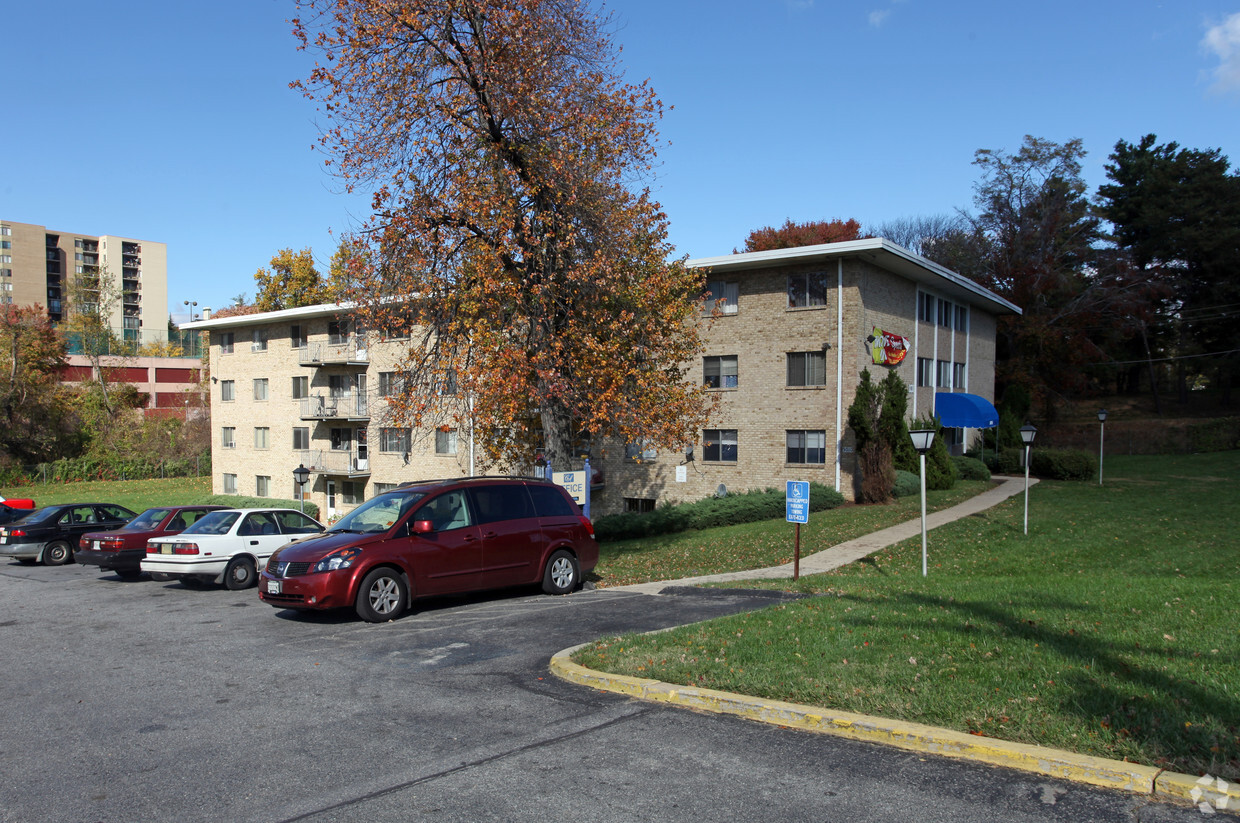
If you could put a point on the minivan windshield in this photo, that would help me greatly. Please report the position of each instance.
(378, 514)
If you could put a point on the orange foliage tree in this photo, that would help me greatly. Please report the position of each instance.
(811, 233)
(513, 243)
(36, 420)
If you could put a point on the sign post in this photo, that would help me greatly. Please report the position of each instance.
(797, 507)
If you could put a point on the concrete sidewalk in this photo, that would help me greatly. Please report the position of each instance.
(853, 550)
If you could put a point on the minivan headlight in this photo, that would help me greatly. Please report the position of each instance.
(341, 559)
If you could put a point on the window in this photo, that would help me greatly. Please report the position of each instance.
(389, 384)
(351, 492)
(925, 371)
(262, 437)
(301, 387)
(6, 244)
(6, 258)
(384, 488)
(958, 376)
(6, 231)
(639, 505)
(342, 439)
(296, 337)
(721, 295)
(807, 289)
(228, 437)
(394, 440)
(228, 390)
(807, 368)
(962, 318)
(230, 484)
(226, 342)
(640, 451)
(719, 445)
(260, 388)
(720, 372)
(925, 308)
(808, 447)
(447, 386)
(301, 438)
(337, 332)
(262, 486)
(945, 374)
(947, 313)
(258, 340)
(445, 442)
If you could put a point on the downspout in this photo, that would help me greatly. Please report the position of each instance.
(839, 368)
(916, 346)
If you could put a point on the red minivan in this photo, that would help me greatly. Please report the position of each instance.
(433, 538)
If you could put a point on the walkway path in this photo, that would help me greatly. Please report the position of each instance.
(853, 550)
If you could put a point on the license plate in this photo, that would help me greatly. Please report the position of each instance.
(96, 544)
(4, 538)
(273, 587)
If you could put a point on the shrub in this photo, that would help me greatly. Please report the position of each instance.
(970, 468)
(907, 484)
(237, 502)
(1222, 434)
(1007, 461)
(1063, 464)
(746, 507)
(940, 472)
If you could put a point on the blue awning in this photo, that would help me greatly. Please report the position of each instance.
(965, 411)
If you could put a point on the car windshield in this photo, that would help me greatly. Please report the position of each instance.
(148, 520)
(378, 513)
(213, 523)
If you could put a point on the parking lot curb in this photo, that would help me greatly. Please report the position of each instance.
(917, 737)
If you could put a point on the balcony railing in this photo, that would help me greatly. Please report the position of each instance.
(349, 407)
(336, 462)
(349, 353)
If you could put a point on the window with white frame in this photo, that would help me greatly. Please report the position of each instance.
(262, 486)
(720, 372)
(722, 296)
(925, 372)
(341, 439)
(719, 445)
(807, 368)
(230, 483)
(808, 446)
(389, 384)
(296, 337)
(807, 289)
(945, 374)
(262, 437)
(640, 450)
(228, 391)
(925, 307)
(394, 440)
(228, 437)
(226, 342)
(958, 376)
(337, 332)
(258, 340)
(301, 387)
(301, 438)
(260, 388)
(445, 442)
(962, 318)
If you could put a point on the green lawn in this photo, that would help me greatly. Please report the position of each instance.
(1112, 629)
(136, 495)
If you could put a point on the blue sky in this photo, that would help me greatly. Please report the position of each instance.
(174, 122)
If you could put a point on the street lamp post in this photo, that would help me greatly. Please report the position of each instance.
(300, 475)
(1027, 433)
(1102, 429)
(192, 304)
(923, 439)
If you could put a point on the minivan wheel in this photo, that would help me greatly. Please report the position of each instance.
(57, 554)
(561, 576)
(239, 574)
(382, 596)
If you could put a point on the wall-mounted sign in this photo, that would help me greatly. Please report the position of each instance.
(886, 348)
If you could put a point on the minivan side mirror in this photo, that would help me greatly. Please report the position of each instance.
(422, 527)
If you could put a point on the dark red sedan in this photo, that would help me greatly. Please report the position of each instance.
(123, 549)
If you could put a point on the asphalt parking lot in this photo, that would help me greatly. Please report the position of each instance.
(137, 701)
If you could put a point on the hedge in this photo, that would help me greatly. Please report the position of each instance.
(907, 484)
(970, 468)
(1063, 464)
(237, 502)
(745, 507)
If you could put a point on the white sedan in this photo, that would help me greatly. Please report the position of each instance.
(227, 546)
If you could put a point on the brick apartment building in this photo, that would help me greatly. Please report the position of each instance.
(300, 387)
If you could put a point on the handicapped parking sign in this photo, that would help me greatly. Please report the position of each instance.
(797, 501)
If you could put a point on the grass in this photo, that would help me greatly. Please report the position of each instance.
(756, 545)
(136, 495)
(1112, 629)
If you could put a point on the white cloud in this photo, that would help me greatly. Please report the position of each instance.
(877, 18)
(1223, 41)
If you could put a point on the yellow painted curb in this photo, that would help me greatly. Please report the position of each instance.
(1096, 771)
(1205, 792)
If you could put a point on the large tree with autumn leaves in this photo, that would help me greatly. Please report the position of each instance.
(513, 240)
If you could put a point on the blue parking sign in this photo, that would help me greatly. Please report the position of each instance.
(798, 501)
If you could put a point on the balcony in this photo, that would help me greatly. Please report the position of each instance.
(350, 352)
(335, 463)
(349, 407)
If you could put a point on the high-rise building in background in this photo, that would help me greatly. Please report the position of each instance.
(49, 268)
